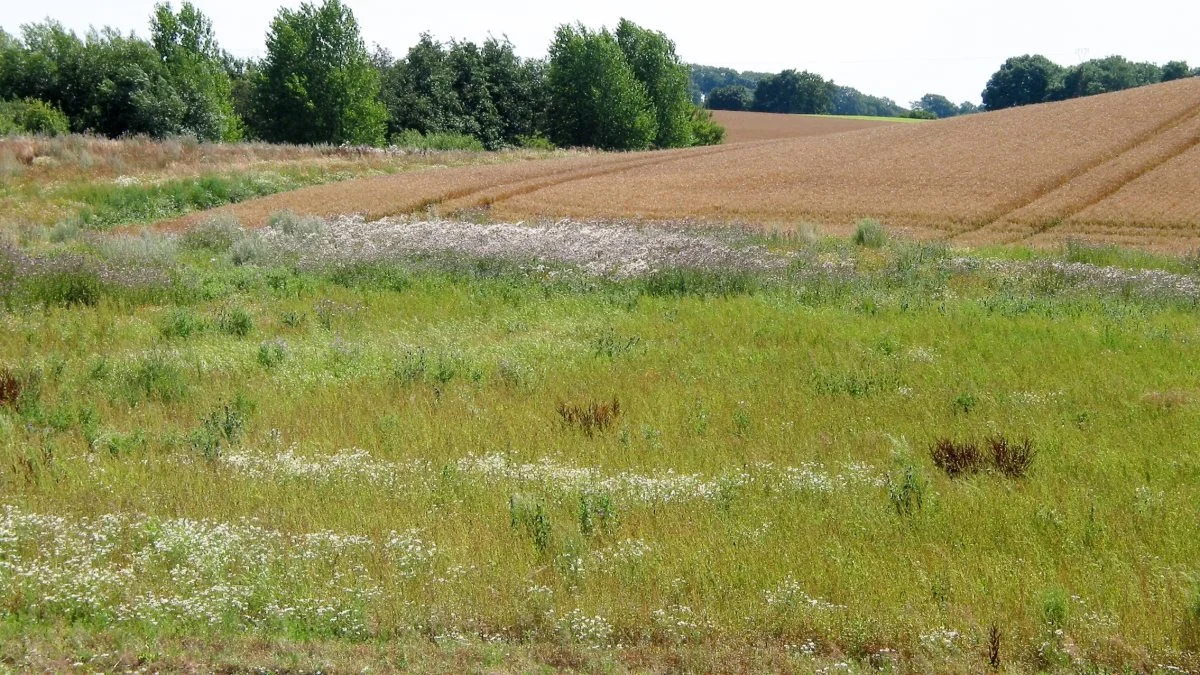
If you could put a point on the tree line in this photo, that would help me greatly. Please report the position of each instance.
(1021, 80)
(789, 91)
(1033, 78)
(625, 89)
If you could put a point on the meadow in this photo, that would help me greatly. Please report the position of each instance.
(420, 443)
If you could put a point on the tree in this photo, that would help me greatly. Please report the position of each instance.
(731, 97)
(1112, 73)
(317, 84)
(850, 101)
(937, 104)
(793, 92)
(652, 57)
(967, 108)
(1175, 70)
(595, 98)
(1022, 80)
(517, 89)
(188, 48)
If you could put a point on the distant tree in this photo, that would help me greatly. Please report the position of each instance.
(419, 91)
(850, 101)
(704, 79)
(652, 57)
(596, 99)
(480, 118)
(1022, 80)
(1112, 73)
(937, 104)
(1175, 70)
(317, 84)
(730, 97)
(967, 108)
(918, 114)
(188, 47)
(794, 92)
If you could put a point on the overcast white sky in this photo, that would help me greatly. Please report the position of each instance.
(888, 48)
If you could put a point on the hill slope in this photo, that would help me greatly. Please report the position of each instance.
(1117, 167)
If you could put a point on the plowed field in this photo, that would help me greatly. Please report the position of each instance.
(1118, 167)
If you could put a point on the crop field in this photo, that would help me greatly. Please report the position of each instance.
(854, 402)
(753, 126)
(1115, 168)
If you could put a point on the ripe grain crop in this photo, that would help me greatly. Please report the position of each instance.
(743, 126)
(1116, 167)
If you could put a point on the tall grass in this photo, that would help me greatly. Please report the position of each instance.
(670, 470)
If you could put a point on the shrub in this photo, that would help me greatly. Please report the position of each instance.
(293, 225)
(705, 130)
(870, 233)
(236, 322)
(957, 459)
(181, 323)
(411, 139)
(155, 377)
(272, 353)
(32, 117)
(535, 142)
(72, 285)
(247, 249)
(215, 235)
(224, 425)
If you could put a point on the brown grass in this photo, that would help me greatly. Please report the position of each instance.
(1112, 168)
(752, 126)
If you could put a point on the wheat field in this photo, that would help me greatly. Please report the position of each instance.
(1113, 168)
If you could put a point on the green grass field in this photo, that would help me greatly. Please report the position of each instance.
(236, 451)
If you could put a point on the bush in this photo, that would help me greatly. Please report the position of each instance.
(32, 117)
(215, 235)
(870, 233)
(180, 323)
(236, 322)
(535, 142)
(293, 225)
(704, 130)
(411, 139)
(155, 377)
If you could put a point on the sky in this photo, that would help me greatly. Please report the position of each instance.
(901, 50)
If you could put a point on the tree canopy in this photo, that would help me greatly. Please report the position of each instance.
(317, 83)
(794, 92)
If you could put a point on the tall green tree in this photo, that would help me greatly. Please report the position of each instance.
(518, 89)
(731, 97)
(317, 84)
(1022, 80)
(794, 92)
(937, 104)
(1175, 70)
(652, 57)
(188, 47)
(1112, 73)
(596, 100)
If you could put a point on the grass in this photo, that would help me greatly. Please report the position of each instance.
(448, 463)
(97, 183)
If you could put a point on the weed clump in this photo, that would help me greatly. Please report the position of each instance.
(223, 426)
(11, 387)
(236, 322)
(215, 235)
(1008, 458)
(592, 417)
(870, 233)
(530, 516)
(957, 459)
